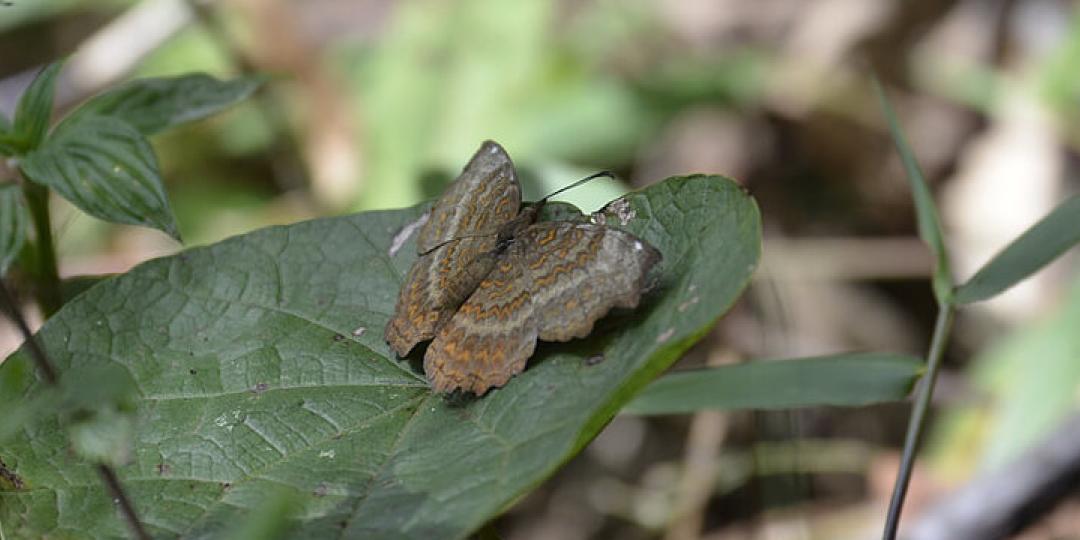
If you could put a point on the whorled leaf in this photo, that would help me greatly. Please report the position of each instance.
(259, 362)
(107, 169)
(14, 224)
(9, 142)
(154, 104)
(34, 110)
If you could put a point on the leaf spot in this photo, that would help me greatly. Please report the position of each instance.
(328, 454)
(359, 331)
(403, 235)
(10, 477)
(686, 305)
(666, 335)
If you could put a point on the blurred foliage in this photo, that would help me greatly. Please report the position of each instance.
(449, 75)
(1023, 385)
(442, 78)
(573, 87)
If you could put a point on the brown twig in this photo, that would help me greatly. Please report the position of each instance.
(7, 303)
(116, 490)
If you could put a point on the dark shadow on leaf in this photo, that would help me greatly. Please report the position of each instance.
(415, 358)
(459, 399)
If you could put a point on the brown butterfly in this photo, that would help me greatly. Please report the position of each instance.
(490, 280)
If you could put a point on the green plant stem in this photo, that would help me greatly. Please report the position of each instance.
(47, 288)
(918, 419)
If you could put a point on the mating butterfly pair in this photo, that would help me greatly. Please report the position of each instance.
(491, 280)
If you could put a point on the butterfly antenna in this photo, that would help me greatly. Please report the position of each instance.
(455, 239)
(601, 174)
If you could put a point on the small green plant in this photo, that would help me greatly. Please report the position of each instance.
(1045, 241)
(98, 157)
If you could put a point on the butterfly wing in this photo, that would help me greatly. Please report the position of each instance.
(459, 231)
(490, 337)
(553, 283)
(579, 271)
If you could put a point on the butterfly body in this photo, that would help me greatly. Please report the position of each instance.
(491, 280)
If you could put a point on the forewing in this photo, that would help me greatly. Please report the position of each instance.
(485, 196)
(459, 231)
(579, 271)
(490, 337)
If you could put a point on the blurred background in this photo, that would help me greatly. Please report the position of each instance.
(378, 104)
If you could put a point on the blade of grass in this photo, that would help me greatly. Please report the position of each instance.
(926, 210)
(34, 110)
(835, 380)
(1037, 247)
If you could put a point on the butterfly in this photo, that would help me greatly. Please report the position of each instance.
(490, 279)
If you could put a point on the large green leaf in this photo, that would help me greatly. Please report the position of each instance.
(1037, 247)
(14, 223)
(34, 110)
(838, 380)
(154, 104)
(259, 361)
(106, 168)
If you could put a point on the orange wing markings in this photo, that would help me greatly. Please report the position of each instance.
(600, 268)
(491, 336)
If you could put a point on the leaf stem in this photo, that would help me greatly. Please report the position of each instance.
(47, 288)
(918, 418)
(48, 372)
